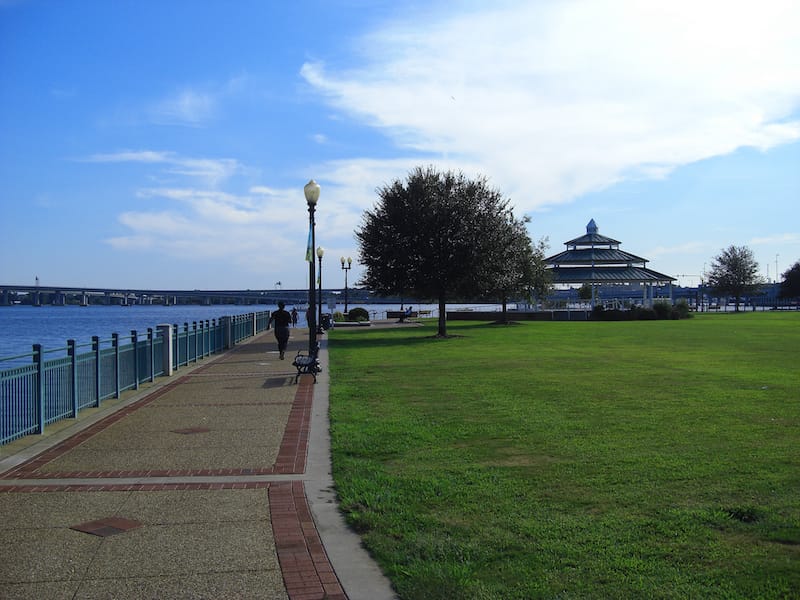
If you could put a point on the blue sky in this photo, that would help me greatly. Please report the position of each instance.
(157, 144)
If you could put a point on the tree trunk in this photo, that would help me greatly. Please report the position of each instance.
(504, 318)
(442, 317)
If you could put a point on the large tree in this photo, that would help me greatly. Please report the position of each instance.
(435, 235)
(510, 270)
(790, 286)
(734, 272)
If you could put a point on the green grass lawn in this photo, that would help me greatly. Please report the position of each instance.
(649, 459)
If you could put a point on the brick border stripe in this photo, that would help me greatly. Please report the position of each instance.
(307, 572)
(294, 445)
(134, 487)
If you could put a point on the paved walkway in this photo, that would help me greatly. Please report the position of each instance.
(215, 483)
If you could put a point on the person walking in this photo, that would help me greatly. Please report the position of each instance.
(294, 316)
(282, 319)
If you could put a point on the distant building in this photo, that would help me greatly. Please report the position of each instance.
(596, 260)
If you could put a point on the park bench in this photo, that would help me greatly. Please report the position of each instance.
(400, 314)
(307, 364)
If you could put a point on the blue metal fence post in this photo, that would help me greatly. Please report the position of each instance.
(135, 342)
(115, 345)
(151, 345)
(167, 349)
(198, 341)
(96, 350)
(38, 359)
(186, 331)
(194, 329)
(73, 355)
(175, 346)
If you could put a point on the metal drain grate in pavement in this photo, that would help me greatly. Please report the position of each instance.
(191, 430)
(107, 526)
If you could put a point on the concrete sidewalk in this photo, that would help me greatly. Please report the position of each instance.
(215, 483)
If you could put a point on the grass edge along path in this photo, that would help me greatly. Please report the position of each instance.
(649, 459)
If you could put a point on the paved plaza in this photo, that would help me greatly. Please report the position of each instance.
(213, 483)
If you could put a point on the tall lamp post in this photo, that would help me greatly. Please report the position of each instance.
(320, 253)
(311, 191)
(346, 269)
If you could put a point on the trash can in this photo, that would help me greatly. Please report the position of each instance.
(327, 321)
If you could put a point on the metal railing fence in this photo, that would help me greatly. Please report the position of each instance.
(48, 390)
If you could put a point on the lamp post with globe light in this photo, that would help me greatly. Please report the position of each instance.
(346, 268)
(311, 191)
(320, 253)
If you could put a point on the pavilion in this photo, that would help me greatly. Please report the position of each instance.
(596, 260)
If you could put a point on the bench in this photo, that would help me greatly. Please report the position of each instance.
(307, 364)
(400, 314)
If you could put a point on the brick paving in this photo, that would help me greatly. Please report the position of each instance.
(242, 530)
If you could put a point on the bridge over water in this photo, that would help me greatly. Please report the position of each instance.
(38, 295)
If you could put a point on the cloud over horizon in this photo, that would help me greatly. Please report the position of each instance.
(555, 100)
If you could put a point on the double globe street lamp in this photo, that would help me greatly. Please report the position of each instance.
(311, 191)
(320, 253)
(346, 269)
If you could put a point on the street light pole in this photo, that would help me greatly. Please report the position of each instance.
(320, 253)
(311, 191)
(346, 269)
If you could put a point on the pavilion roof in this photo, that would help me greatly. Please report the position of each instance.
(588, 256)
(592, 238)
(595, 258)
(608, 275)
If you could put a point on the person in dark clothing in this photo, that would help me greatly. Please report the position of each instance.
(294, 316)
(282, 319)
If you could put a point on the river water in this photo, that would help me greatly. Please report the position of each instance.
(21, 326)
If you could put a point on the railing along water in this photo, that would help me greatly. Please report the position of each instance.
(46, 390)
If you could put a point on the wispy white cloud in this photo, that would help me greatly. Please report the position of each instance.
(685, 248)
(211, 171)
(144, 156)
(782, 238)
(186, 107)
(557, 99)
(254, 231)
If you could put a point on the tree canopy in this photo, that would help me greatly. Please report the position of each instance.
(441, 235)
(734, 272)
(790, 286)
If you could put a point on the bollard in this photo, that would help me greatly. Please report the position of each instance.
(227, 333)
(165, 333)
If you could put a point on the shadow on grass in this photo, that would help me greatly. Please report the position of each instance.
(388, 338)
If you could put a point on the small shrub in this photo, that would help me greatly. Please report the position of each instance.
(646, 314)
(663, 310)
(358, 314)
(338, 316)
(681, 310)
